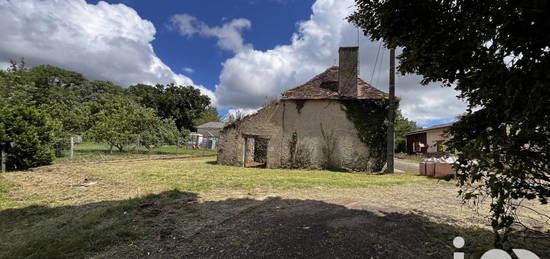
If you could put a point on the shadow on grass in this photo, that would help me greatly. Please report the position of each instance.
(174, 224)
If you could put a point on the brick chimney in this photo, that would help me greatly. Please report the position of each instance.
(347, 72)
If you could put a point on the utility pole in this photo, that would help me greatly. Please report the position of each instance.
(391, 114)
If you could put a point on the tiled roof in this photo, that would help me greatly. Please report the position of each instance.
(211, 125)
(325, 86)
(439, 126)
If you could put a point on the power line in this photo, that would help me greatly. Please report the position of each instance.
(376, 61)
(381, 63)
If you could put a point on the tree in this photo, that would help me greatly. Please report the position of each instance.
(26, 136)
(184, 104)
(120, 122)
(25, 132)
(497, 54)
(147, 95)
(402, 126)
(210, 114)
(54, 92)
(117, 121)
(93, 90)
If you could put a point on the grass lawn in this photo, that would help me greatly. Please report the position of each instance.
(194, 208)
(90, 151)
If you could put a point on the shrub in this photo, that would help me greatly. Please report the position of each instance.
(26, 136)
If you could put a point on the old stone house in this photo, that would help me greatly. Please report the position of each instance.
(312, 125)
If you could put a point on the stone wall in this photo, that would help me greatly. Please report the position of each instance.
(266, 122)
(322, 128)
(324, 137)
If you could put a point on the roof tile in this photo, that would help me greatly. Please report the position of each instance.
(325, 86)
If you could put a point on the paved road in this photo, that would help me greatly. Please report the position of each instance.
(405, 165)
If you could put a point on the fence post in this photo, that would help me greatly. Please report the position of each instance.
(3, 160)
(138, 143)
(72, 147)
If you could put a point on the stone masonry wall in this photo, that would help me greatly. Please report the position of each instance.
(266, 122)
(324, 136)
(322, 128)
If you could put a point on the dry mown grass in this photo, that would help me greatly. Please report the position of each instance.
(136, 206)
(58, 184)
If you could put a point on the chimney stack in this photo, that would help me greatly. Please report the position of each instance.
(347, 71)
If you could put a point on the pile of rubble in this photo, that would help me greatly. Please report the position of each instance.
(438, 167)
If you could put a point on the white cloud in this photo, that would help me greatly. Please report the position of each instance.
(188, 70)
(251, 76)
(103, 41)
(228, 35)
(238, 112)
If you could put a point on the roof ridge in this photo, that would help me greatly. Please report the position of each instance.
(312, 88)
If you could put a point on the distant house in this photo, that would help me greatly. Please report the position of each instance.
(208, 134)
(427, 140)
(210, 129)
(309, 126)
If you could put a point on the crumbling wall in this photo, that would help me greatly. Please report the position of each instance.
(312, 134)
(266, 122)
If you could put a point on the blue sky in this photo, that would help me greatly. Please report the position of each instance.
(238, 52)
(273, 21)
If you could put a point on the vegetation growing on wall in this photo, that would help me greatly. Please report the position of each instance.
(299, 154)
(299, 105)
(329, 146)
(369, 118)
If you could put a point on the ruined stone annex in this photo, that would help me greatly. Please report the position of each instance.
(334, 121)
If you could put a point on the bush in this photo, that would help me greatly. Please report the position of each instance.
(26, 136)
(400, 144)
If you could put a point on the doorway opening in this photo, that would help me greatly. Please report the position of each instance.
(255, 151)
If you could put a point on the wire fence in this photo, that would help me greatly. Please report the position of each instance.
(80, 149)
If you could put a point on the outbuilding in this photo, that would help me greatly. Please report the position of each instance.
(333, 121)
(428, 140)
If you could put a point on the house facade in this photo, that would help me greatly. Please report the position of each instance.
(208, 134)
(308, 127)
(210, 129)
(428, 140)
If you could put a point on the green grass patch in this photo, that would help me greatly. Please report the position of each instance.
(173, 202)
(4, 187)
(66, 232)
(202, 174)
(98, 151)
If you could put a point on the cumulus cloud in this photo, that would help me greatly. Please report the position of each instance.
(238, 113)
(188, 70)
(228, 35)
(103, 41)
(251, 76)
